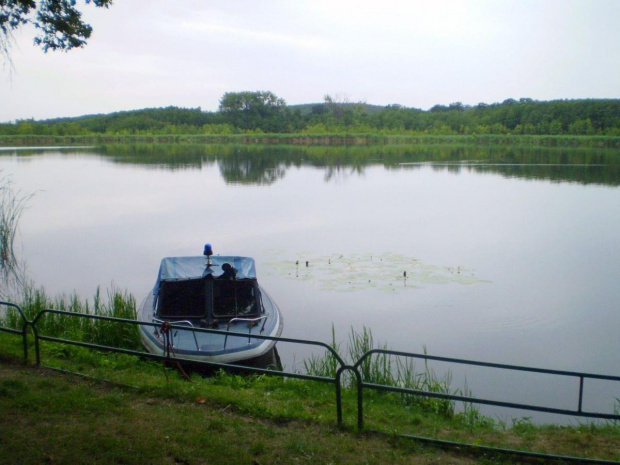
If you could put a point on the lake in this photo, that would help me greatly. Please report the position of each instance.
(507, 255)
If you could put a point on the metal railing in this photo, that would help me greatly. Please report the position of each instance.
(578, 412)
(337, 380)
(23, 331)
(169, 355)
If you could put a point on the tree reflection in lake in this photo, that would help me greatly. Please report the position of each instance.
(266, 164)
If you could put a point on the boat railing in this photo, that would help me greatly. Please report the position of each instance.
(179, 323)
(252, 322)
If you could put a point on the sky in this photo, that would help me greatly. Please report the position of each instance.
(416, 53)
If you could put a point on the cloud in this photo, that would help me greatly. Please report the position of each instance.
(416, 53)
(226, 33)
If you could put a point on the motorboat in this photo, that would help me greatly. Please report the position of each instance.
(200, 305)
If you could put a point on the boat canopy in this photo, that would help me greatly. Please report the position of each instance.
(175, 268)
(182, 288)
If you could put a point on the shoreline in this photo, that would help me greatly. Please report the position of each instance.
(346, 139)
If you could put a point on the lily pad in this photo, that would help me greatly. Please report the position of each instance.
(386, 272)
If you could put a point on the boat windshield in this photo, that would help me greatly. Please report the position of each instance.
(190, 298)
(184, 298)
(234, 298)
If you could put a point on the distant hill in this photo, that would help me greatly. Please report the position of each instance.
(167, 114)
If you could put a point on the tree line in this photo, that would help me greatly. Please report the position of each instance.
(264, 112)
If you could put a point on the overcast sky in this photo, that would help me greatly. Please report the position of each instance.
(188, 53)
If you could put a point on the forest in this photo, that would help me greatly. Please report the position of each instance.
(265, 113)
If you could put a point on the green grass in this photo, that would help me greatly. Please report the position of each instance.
(141, 415)
(117, 304)
(160, 416)
(46, 418)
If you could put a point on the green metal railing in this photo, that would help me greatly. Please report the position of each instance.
(25, 324)
(578, 412)
(359, 383)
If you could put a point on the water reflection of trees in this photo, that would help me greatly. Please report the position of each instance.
(164, 156)
(251, 170)
(266, 164)
(340, 173)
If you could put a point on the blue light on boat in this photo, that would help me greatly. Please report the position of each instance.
(208, 250)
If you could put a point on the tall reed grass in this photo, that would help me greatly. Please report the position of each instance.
(12, 205)
(388, 370)
(116, 304)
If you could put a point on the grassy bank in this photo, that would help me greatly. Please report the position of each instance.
(140, 415)
(145, 413)
(317, 139)
(56, 419)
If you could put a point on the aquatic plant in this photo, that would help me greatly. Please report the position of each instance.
(118, 304)
(327, 365)
(12, 205)
(616, 412)
(385, 272)
(389, 370)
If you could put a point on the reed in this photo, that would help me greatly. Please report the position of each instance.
(12, 205)
(616, 423)
(117, 304)
(327, 365)
(388, 370)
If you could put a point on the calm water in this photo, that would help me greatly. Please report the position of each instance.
(512, 256)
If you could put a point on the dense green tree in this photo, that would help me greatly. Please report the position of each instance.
(262, 111)
(58, 22)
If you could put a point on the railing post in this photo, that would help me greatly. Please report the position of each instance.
(360, 400)
(580, 393)
(339, 397)
(37, 349)
(25, 340)
(358, 385)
